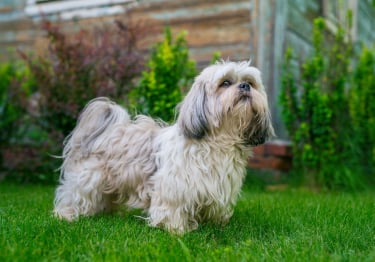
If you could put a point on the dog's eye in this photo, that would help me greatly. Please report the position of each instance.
(251, 83)
(226, 83)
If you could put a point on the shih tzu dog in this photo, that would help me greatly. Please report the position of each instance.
(180, 175)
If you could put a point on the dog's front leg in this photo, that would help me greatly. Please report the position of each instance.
(224, 217)
(170, 215)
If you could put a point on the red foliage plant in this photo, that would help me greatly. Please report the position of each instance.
(83, 65)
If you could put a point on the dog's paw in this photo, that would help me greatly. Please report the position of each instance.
(66, 213)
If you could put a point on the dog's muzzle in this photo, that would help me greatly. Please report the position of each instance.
(244, 91)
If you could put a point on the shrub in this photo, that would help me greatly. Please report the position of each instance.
(168, 75)
(24, 149)
(75, 69)
(31, 161)
(14, 90)
(362, 110)
(314, 109)
(79, 67)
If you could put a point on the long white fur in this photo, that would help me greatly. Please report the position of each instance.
(180, 175)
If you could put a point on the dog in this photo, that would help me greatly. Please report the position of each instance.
(180, 175)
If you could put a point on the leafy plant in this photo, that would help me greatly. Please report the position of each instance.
(25, 149)
(79, 67)
(14, 91)
(362, 109)
(216, 56)
(168, 75)
(76, 68)
(314, 108)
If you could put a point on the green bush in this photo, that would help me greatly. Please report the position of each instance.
(362, 110)
(315, 111)
(169, 74)
(25, 150)
(14, 90)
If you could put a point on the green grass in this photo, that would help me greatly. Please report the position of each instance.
(271, 226)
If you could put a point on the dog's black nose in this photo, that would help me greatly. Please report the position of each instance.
(244, 86)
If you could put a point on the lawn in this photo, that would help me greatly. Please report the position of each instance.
(293, 225)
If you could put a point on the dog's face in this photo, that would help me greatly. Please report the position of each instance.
(227, 98)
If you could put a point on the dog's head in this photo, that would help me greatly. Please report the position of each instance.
(227, 98)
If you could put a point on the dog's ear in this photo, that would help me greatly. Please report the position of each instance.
(192, 118)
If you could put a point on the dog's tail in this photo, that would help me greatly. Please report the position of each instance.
(97, 118)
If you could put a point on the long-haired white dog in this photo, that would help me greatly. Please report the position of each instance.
(180, 175)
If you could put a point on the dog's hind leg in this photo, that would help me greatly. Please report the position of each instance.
(83, 172)
(81, 193)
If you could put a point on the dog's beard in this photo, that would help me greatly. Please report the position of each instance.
(243, 97)
(257, 131)
(250, 115)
